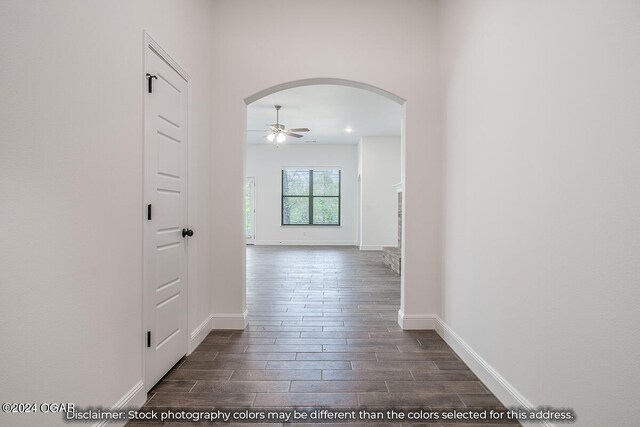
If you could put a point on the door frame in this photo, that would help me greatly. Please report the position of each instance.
(252, 179)
(147, 314)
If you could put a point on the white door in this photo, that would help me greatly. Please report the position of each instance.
(250, 210)
(165, 243)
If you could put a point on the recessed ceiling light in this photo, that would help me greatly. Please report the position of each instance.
(348, 129)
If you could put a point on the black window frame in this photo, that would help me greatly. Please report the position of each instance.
(311, 197)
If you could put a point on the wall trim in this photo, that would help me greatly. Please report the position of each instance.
(324, 81)
(229, 321)
(416, 321)
(134, 399)
(149, 41)
(199, 333)
(305, 243)
(371, 247)
(496, 383)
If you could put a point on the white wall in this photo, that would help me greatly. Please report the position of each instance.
(338, 39)
(265, 163)
(71, 205)
(379, 166)
(542, 101)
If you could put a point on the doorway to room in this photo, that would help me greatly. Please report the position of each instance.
(344, 132)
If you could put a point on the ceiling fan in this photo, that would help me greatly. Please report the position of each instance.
(278, 133)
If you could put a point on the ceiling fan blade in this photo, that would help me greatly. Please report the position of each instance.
(295, 135)
(255, 130)
(299, 130)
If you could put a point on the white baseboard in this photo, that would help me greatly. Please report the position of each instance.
(305, 243)
(229, 321)
(200, 333)
(496, 383)
(370, 248)
(416, 321)
(133, 399)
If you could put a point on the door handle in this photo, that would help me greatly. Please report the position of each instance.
(187, 232)
(149, 77)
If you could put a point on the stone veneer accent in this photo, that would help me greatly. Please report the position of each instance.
(390, 254)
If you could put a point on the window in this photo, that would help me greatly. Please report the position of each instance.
(310, 197)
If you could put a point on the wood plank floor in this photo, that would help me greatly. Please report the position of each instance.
(322, 332)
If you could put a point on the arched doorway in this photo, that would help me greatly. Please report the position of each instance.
(401, 102)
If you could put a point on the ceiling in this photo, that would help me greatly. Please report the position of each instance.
(327, 110)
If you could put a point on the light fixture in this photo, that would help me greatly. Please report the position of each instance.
(278, 132)
(277, 137)
(348, 129)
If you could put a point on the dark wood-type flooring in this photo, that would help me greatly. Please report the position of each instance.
(322, 332)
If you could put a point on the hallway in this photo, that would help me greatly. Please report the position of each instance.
(322, 333)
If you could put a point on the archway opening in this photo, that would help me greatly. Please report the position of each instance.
(282, 219)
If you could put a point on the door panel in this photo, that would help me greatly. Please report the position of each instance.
(169, 158)
(168, 264)
(165, 273)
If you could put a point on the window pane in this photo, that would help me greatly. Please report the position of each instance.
(326, 183)
(326, 210)
(295, 182)
(295, 210)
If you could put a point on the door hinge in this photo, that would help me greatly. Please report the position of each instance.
(149, 77)
(148, 339)
(149, 212)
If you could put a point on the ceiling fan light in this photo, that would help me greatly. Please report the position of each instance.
(271, 137)
(280, 138)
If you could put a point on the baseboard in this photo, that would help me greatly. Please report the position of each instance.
(200, 333)
(496, 383)
(229, 321)
(417, 321)
(370, 248)
(133, 399)
(305, 243)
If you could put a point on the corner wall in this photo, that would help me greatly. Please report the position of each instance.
(71, 138)
(542, 212)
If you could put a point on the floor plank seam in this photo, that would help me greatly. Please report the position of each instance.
(322, 333)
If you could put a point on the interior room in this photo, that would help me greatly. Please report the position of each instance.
(351, 130)
(480, 254)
